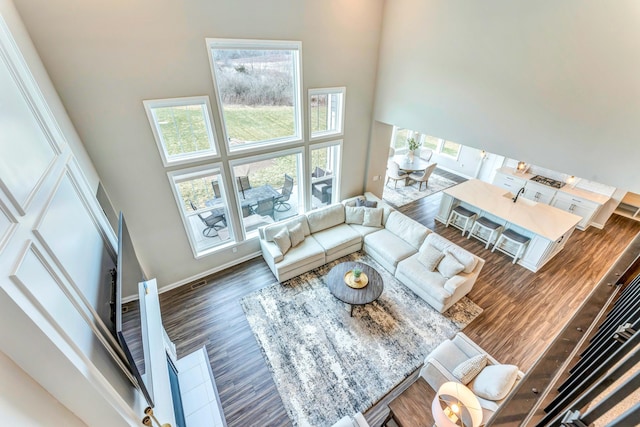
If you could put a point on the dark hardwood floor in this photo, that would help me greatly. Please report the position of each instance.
(523, 311)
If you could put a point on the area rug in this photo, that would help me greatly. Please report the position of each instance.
(327, 364)
(401, 195)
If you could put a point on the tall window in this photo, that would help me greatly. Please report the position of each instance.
(200, 195)
(182, 129)
(258, 86)
(325, 167)
(451, 149)
(267, 188)
(326, 112)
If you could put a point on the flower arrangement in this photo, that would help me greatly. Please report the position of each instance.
(356, 274)
(413, 144)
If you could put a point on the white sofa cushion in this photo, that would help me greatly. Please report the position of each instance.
(282, 240)
(449, 266)
(467, 370)
(429, 257)
(372, 217)
(364, 230)
(307, 252)
(407, 229)
(269, 231)
(391, 248)
(353, 215)
(327, 217)
(466, 258)
(337, 238)
(296, 235)
(494, 382)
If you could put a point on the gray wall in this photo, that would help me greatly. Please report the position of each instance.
(553, 83)
(104, 58)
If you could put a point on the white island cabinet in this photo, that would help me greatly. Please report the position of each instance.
(548, 228)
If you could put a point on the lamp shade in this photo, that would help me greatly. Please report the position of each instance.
(456, 405)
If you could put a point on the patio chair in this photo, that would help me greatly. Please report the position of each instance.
(243, 183)
(213, 222)
(281, 201)
(423, 177)
(216, 188)
(265, 207)
(394, 173)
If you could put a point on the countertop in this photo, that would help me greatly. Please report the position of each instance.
(598, 198)
(539, 218)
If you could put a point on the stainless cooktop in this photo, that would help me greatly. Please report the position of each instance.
(548, 181)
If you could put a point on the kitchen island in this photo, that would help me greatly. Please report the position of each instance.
(548, 227)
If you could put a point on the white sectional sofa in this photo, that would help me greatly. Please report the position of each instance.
(437, 270)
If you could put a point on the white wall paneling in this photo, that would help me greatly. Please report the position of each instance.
(8, 225)
(77, 245)
(43, 295)
(57, 249)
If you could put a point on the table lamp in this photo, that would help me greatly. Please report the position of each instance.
(456, 405)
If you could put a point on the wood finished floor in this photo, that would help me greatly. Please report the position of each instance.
(523, 311)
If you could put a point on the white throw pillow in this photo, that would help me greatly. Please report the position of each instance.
(467, 370)
(373, 217)
(494, 382)
(429, 257)
(449, 266)
(353, 215)
(282, 240)
(296, 234)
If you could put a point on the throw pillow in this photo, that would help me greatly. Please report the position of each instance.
(494, 382)
(467, 370)
(296, 234)
(449, 266)
(372, 217)
(361, 201)
(282, 240)
(353, 215)
(429, 257)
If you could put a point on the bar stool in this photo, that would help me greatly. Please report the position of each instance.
(515, 238)
(484, 223)
(462, 213)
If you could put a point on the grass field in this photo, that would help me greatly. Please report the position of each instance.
(250, 124)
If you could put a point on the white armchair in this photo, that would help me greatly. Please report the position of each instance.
(442, 361)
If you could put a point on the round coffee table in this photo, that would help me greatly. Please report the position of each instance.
(339, 289)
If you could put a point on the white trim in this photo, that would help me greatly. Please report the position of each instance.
(342, 91)
(196, 172)
(211, 271)
(185, 158)
(13, 225)
(337, 174)
(255, 44)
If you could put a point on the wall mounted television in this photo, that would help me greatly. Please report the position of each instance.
(127, 316)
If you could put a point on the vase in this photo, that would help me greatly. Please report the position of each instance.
(410, 156)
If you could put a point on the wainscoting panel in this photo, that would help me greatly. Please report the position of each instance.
(21, 133)
(7, 225)
(77, 245)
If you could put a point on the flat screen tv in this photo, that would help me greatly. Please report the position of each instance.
(128, 321)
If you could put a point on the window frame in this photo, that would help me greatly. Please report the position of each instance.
(260, 157)
(180, 175)
(256, 44)
(342, 91)
(441, 152)
(175, 160)
(337, 174)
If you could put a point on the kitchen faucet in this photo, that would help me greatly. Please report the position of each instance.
(515, 199)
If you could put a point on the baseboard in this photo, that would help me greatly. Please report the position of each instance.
(209, 272)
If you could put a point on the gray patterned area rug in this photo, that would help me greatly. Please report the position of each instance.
(327, 364)
(401, 194)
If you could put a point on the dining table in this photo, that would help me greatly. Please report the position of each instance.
(249, 197)
(409, 165)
